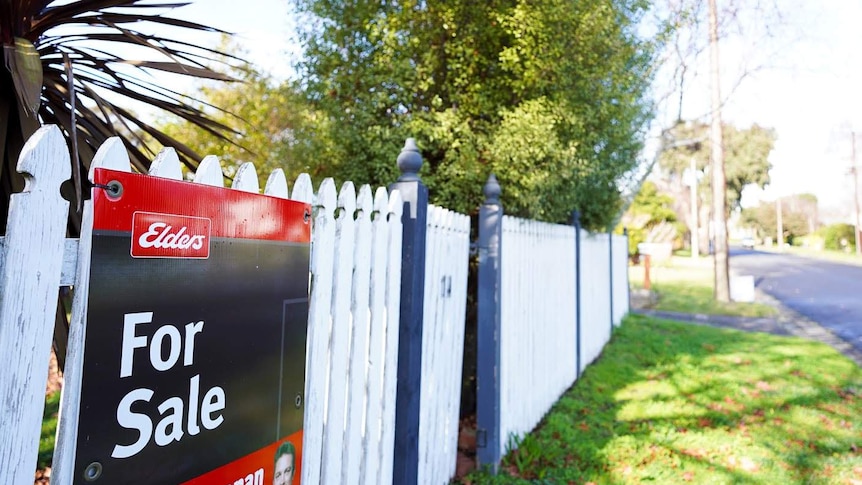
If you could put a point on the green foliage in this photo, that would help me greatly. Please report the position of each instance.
(648, 209)
(839, 237)
(746, 155)
(270, 118)
(671, 402)
(798, 216)
(549, 95)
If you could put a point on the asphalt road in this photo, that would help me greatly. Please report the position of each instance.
(828, 293)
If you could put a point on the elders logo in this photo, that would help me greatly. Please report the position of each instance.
(170, 236)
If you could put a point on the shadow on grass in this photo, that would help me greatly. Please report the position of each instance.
(677, 403)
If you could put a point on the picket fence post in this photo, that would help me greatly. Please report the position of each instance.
(488, 328)
(30, 279)
(414, 218)
(611, 276)
(576, 221)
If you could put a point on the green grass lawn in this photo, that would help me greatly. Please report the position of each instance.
(49, 430)
(677, 403)
(686, 285)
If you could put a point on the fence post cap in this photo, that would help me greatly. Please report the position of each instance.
(492, 190)
(409, 161)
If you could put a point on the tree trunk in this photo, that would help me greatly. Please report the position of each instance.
(719, 181)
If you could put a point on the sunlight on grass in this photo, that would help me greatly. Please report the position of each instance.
(686, 286)
(675, 403)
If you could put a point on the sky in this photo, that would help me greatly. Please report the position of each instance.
(804, 80)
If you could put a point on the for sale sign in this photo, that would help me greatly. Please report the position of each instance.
(194, 360)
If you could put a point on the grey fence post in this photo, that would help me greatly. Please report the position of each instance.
(415, 195)
(576, 221)
(488, 331)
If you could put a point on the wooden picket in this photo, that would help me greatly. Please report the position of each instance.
(538, 315)
(446, 259)
(620, 277)
(595, 296)
(29, 280)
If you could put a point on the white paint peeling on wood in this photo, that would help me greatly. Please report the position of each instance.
(303, 190)
(276, 184)
(30, 280)
(358, 366)
(70, 262)
(318, 327)
(376, 341)
(209, 172)
(393, 309)
(167, 165)
(246, 179)
(111, 155)
(342, 254)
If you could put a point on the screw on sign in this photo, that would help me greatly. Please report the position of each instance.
(194, 358)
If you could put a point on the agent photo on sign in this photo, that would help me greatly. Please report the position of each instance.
(285, 458)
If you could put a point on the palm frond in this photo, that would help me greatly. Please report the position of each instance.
(96, 36)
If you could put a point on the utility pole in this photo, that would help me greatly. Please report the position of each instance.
(719, 180)
(854, 171)
(695, 240)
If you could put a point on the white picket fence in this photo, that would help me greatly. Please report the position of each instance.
(446, 261)
(620, 277)
(353, 314)
(352, 363)
(595, 295)
(538, 315)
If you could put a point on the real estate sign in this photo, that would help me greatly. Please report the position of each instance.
(194, 360)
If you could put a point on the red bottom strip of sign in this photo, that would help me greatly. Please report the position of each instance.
(277, 463)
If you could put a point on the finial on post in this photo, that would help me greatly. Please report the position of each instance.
(409, 161)
(492, 190)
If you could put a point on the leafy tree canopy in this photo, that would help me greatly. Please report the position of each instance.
(746, 155)
(271, 120)
(798, 216)
(550, 95)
